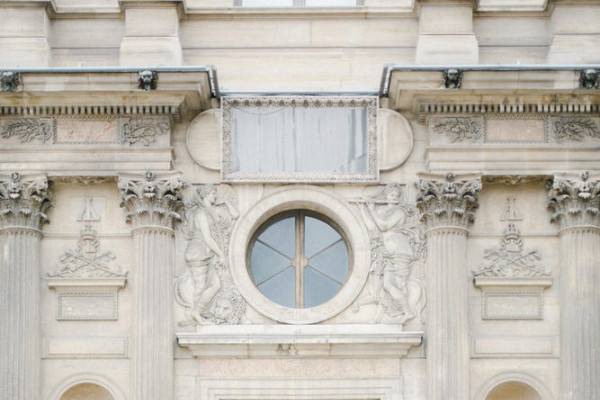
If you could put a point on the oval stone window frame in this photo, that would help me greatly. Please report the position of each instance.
(320, 202)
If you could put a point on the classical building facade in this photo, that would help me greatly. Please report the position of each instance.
(376, 199)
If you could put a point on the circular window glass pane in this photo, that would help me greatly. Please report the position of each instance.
(299, 260)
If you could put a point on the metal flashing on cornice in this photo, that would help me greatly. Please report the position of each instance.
(209, 69)
(389, 69)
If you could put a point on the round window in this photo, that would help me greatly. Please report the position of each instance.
(299, 259)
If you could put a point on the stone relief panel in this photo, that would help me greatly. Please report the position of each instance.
(511, 260)
(206, 288)
(514, 128)
(512, 279)
(87, 281)
(86, 261)
(147, 130)
(397, 250)
(27, 130)
(459, 129)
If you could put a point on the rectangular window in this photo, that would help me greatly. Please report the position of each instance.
(299, 138)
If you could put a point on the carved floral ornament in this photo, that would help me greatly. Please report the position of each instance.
(24, 200)
(448, 202)
(575, 200)
(152, 199)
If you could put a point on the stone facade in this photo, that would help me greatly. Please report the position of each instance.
(471, 235)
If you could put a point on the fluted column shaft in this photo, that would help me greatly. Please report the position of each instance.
(23, 202)
(152, 203)
(447, 319)
(153, 321)
(447, 207)
(575, 202)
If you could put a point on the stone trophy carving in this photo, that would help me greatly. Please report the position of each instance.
(397, 244)
(206, 289)
(86, 261)
(510, 260)
(574, 129)
(459, 129)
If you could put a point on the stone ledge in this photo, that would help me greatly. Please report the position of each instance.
(294, 341)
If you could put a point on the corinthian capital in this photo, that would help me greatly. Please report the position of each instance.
(24, 200)
(448, 201)
(575, 200)
(150, 199)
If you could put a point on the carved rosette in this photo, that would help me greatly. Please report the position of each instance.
(575, 201)
(24, 201)
(448, 201)
(152, 200)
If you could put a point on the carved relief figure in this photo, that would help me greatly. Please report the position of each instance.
(510, 260)
(86, 261)
(206, 288)
(396, 245)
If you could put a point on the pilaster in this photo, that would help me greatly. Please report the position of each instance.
(446, 34)
(575, 34)
(24, 36)
(151, 36)
(575, 203)
(23, 204)
(152, 203)
(447, 206)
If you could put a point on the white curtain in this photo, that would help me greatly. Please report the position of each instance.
(299, 140)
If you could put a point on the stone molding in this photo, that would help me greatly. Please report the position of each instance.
(575, 200)
(448, 200)
(289, 341)
(152, 200)
(24, 200)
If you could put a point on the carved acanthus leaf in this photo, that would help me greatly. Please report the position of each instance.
(24, 200)
(459, 129)
(449, 201)
(86, 261)
(510, 260)
(575, 200)
(152, 199)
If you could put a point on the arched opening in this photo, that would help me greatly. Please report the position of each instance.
(513, 391)
(87, 391)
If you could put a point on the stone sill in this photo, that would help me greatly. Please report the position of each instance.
(482, 282)
(90, 282)
(305, 341)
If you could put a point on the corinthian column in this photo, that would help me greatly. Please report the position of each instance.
(575, 202)
(447, 206)
(23, 203)
(152, 203)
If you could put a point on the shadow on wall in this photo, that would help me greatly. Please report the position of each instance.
(513, 391)
(87, 391)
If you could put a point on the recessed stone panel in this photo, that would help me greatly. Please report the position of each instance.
(514, 130)
(84, 130)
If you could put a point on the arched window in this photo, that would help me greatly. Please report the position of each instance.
(513, 391)
(87, 391)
